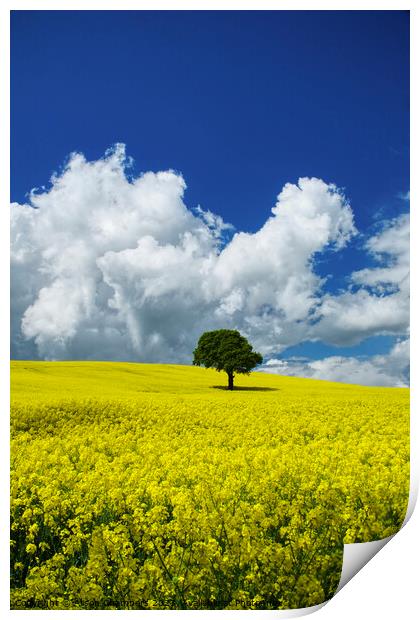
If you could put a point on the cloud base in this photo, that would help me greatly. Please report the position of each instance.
(110, 267)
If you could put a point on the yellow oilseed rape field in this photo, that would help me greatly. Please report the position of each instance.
(139, 486)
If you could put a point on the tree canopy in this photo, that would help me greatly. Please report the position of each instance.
(226, 350)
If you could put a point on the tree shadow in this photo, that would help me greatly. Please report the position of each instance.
(241, 388)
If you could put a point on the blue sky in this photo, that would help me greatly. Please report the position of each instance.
(240, 103)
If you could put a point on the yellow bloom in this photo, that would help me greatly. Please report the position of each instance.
(141, 487)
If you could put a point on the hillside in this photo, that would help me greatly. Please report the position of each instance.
(138, 486)
(129, 380)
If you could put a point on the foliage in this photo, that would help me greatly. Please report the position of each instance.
(141, 487)
(227, 350)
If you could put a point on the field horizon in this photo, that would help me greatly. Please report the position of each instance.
(164, 376)
(144, 486)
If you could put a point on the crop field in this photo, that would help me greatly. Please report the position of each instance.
(139, 486)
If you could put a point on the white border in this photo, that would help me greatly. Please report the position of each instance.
(290, 5)
(387, 587)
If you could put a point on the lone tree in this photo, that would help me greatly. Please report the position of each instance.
(227, 350)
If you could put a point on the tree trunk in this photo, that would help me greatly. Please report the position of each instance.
(230, 378)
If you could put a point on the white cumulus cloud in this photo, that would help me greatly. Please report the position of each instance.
(106, 266)
(380, 304)
(380, 370)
